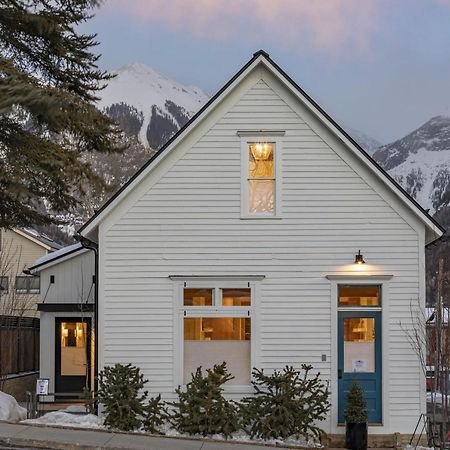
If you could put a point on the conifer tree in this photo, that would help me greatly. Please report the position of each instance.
(155, 415)
(202, 408)
(286, 403)
(120, 392)
(49, 81)
(356, 405)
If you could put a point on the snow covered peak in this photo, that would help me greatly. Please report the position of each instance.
(141, 86)
(151, 93)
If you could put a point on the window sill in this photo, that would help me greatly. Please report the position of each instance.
(261, 217)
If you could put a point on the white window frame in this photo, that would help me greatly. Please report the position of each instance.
(269, 137)
(216, 310)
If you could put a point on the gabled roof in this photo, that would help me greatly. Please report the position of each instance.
(39, 238)
(60, 255)
(261, 57)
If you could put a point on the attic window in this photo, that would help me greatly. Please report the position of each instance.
(261, 177)
(260, 194)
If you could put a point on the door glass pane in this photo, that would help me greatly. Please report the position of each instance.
(212, 340)
(236, 297)
(198, 297)
(359, 344)
(73, 349)
(359, 296)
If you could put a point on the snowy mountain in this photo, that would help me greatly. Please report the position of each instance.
(149, 104)
(368, 143)
(420, 162)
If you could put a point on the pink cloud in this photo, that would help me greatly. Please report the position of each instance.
(327, 25)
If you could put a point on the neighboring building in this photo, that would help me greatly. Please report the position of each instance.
(19, 248)
(66, 310)
(237, 242)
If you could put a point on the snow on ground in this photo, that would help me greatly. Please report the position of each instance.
(67, 419)
(74, 419)
(10, 410)
(419, 447)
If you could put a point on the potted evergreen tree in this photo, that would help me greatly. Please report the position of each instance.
(356, 417)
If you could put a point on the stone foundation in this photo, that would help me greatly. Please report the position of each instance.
(395, 440)
(17, 385)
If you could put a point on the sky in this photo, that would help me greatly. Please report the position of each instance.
(379, 66)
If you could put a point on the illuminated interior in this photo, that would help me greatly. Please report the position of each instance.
(236, 297)
(359, 296)
(198, 297)
(73, 348)
(212, 340)
(261, 177)
(217, 328)
(359, 344)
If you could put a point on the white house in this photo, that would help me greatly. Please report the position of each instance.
(237, 242)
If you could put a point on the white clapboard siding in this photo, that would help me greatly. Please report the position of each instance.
(189, 222)
(73, 280)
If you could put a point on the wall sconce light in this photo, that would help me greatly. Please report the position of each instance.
(359, 258)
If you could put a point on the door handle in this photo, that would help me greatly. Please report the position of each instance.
(339, 373)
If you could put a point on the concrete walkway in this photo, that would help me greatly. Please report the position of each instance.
(40, 436)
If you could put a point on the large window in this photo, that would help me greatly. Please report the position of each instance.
(216, 324)
(261, 177)
(27, 285)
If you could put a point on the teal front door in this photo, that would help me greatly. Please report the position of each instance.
(359, 359)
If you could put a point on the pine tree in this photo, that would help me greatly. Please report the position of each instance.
(202, 408)
(356, 405)
(49, 80)
(120, 392)
(286, 403)
(155, 415)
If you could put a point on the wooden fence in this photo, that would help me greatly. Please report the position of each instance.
(19, 344)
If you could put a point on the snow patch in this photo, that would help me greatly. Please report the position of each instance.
(64, 418)
(10, 410)
(67, 419)
(57, 254)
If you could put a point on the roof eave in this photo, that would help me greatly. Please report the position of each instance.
(431, 224)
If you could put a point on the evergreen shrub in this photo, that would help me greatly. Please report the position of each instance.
(120, 392)
(286, 403)
(356, 406)
(202, 408)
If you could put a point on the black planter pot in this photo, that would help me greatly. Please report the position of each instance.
(356, 436)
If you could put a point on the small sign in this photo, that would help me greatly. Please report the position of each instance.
(42, 386)
(359, 365)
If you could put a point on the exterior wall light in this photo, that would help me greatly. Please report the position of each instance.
(359, 258)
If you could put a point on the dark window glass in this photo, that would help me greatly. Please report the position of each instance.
(4, 285)
(27, 285)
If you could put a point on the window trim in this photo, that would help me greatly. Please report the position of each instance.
(247, 139)
(181, 312)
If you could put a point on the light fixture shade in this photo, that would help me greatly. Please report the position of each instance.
(359, 259)
(261, 151)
